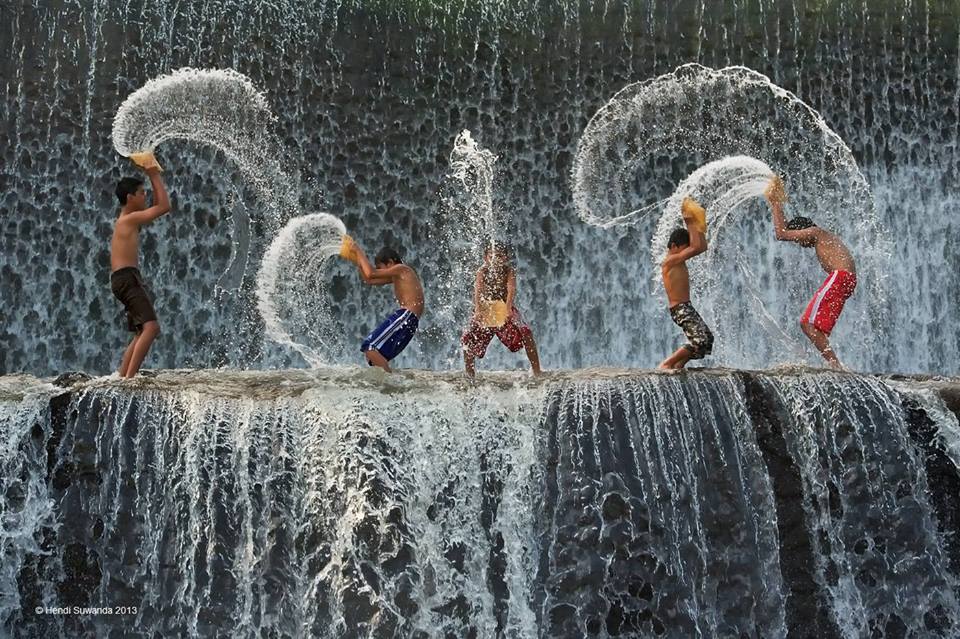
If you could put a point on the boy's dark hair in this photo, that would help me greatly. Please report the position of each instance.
(799, 223)
(127, 186)
(498, 247)
(679, 237)
(387, 254)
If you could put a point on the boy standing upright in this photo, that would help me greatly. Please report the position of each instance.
(126, 282)
(825, 306)
(683, 244)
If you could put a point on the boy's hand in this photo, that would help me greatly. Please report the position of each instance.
(146, 161)
(776, 192)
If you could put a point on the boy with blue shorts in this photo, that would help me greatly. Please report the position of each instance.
(393, 334)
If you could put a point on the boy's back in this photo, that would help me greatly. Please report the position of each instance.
(407, 288)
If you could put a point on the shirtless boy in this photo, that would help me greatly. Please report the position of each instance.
(685, 243)
(497, 282)
(127, 284)
(824, 308)
(395, 332)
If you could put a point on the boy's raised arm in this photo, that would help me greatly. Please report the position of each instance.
(161, 201)
(369, 274)
(776, 195)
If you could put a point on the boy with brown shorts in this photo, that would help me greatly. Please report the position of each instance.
(126, 282)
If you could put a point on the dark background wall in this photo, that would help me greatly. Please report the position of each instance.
(369, 97)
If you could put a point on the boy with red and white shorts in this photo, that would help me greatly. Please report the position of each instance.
(827, 303)
(494, 313)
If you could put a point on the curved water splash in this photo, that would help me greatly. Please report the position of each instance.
(222, 109)
(292, 286)
(720, 187)
(687, 122)
(708, 114)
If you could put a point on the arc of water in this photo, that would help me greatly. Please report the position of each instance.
(307, 243)
(222, 109)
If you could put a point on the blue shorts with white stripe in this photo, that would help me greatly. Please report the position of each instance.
(393, 334)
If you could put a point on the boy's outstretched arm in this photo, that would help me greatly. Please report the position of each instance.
(369, 274)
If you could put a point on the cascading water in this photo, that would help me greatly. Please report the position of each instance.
(599, 502)
(780, 504)
(367, 99)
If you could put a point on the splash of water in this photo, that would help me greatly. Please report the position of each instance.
(700, 116)
(468, 220)
(707, 114)
(222, 109)
(292, 292)
(721, 187)
(473, 167)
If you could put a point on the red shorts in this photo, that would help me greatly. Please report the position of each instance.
(511, 334)
(825, 305)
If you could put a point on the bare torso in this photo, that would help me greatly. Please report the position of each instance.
(408, 290)
(494, 284)
(125, 245)
(676, 282)
(833, 254)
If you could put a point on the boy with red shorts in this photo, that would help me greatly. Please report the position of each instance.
(824, 308)
(494, 313)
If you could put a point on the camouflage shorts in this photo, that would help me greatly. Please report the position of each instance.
(699, 336)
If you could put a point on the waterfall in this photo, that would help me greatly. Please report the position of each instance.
(340, 503)
(368, 99)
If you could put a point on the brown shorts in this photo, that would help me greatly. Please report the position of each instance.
(128, 286)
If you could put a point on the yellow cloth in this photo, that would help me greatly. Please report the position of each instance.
(145, 160)
(493, 313)
(348, 248)
(690, 208)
